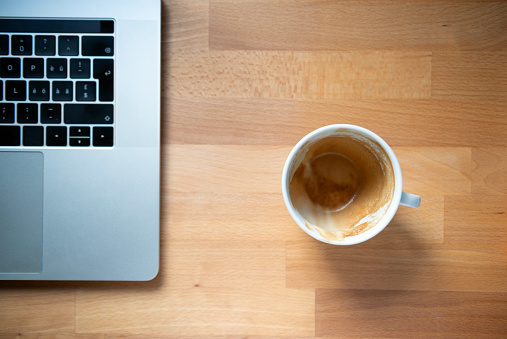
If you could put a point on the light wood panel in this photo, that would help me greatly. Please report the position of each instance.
(411, 265)
(30, 308)
(185, 27)
(479, 75)
(250, 218)
(429, 170)
(202, 263)
(197, 311)
(401, 314)
(266, 74)
(489, 175)
(475, 220)
(351, 25)
(225, 168)
(425, 122)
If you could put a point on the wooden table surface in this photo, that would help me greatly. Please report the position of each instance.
(243, 81)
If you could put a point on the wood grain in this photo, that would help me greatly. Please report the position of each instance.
(302, 75)
(185, 26)
(489, 175)
(197, 311)
(411, 265)
(474, 220)
(480, 75)
(413, 123)
(201, 263)
(229, 217)
(242, 82)
(226, 168)
(25, 309)
(442, 171)
(350, 25)
(402, 314)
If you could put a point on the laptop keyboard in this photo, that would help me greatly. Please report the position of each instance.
(57, 83)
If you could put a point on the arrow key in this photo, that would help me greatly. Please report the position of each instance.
(80, 131)
(79, 141)
(102, 136)
(56, 136)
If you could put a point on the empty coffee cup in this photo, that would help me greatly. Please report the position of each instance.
(342, 184)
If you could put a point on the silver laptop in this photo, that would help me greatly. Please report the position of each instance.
(79, 139)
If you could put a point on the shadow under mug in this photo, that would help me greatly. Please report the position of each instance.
(399, 197)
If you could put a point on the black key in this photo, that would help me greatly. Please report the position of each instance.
(21, 45)
(102, 136)
(45, 45)
(56, 68)
(79, 136)
(80, 131)
(103, 70)
(85, 91)
(15, 90)
(64, 26)
(28, 113)
(56, 136)
(62, 90)
(33, 136)
(10, 68)
(68, 45)
(10, 135)
(38, 90)
(50, 113)
(80, 68)
(98, 46)
(6, 113)
(88, 114)
(4, 44)
(79, 141)
(33, 68)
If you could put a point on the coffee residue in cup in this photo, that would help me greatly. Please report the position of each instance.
(343, 186)
(331, 180)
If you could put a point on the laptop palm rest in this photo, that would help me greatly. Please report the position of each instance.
(21, 188)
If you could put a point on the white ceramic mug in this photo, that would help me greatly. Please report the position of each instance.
(398, 198)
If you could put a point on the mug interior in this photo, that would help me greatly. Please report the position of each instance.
(371, 141)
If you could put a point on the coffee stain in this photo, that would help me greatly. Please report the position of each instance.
(344, 184)
(331, 181)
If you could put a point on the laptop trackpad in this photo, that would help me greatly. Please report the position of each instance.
(21, 191)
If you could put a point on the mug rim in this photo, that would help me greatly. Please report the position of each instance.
(395, 201)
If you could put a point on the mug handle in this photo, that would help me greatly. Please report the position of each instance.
(410, 200)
